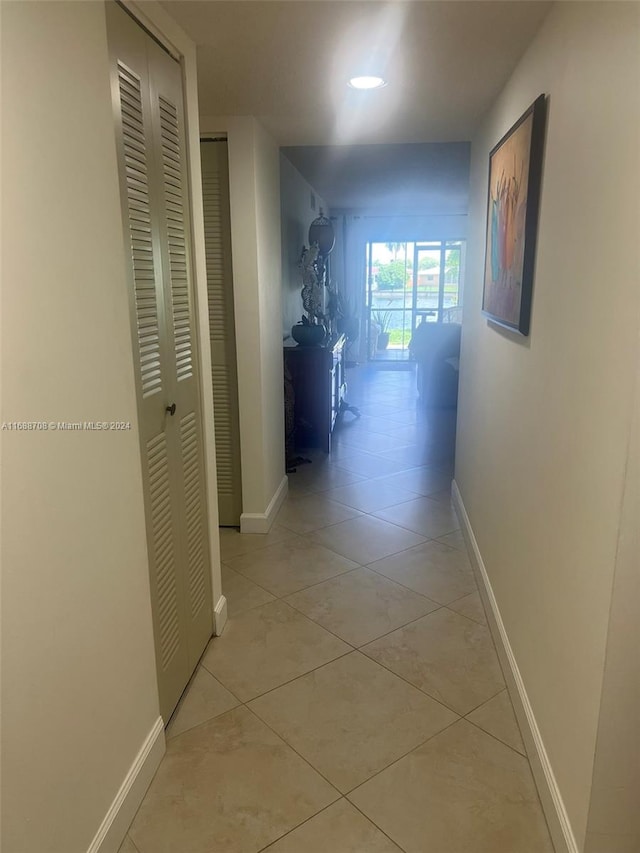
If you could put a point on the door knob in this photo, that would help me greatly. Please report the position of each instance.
(171, 409)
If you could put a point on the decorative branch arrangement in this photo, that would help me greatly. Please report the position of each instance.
(311, 286)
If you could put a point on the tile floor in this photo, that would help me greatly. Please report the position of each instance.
(355, 703)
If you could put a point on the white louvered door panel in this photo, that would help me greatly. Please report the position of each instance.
(141, 240)
(194, 520)
(169, 130)
(163, 553)
(151, 192)
(217, 230)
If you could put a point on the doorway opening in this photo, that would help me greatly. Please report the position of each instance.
(408, 284)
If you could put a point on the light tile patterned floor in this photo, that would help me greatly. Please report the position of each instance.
(355, 703)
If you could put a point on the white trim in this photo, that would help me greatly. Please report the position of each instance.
(219, 616)
(136, 11)
(117, 820)
(260, 522)
(557, 818)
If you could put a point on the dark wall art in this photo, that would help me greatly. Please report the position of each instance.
(515, 173)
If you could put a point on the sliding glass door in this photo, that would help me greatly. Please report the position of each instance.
(408, 284)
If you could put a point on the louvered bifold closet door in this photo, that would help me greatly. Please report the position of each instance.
(224, 376)
(175, 243)
(164, 440)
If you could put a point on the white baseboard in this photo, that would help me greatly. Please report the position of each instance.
(219, 616)
(550, 796)
(116, 822)
(260, 522)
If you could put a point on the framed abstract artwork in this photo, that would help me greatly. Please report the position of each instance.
(515, 173)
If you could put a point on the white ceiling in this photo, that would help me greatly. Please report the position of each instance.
(287, 62)
(394, 180)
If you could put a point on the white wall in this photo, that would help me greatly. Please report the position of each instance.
(79, 685)
(297, 214)
(254, 187)
(544, 422)
(267, 183)
(614, 817)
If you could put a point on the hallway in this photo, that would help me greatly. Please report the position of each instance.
(355, 701)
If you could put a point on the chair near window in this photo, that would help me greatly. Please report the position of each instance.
(436, 349)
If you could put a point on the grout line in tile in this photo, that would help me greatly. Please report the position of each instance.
(205, 722)
(411, 529)
(361, 566)
(354, 650)
(400, 757)
(131, 841)
(318, 583)
(293, 749)
(357, 648)
(484, 702)
(188, 688)
(370, 430)
(371, 820)
(370, 566)
(199, 664)
(495, 737)
(386, 556)
(298, 825)
(432, 467)
(302, 589)
(457, 612)
(404, 625)
(455, 600)
(259, 548)
(377, 457)
(356, 514)
(251, 580)
(351, 650)
(359, 449)
(208, 720)
(362, 479)
(380, 509)
(402, 678)
(435, 699)
(517, 752)
(245, 705)
(242, 704)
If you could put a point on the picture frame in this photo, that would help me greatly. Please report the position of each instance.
(513, 201)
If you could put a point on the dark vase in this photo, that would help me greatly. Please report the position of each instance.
(308, 336)
(383, 340)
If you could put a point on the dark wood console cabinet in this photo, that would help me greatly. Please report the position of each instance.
(319, 386)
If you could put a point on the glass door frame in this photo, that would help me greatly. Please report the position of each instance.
(369, 308)
(441, 245)
(423, 313)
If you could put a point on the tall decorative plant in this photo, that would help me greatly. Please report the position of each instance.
(382, 319)
(311, 286)
(311, 331)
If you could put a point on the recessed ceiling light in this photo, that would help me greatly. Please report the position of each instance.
(367, 82)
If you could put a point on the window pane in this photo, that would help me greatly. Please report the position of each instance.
(428, 281)
(429, 272)
(452, 283)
